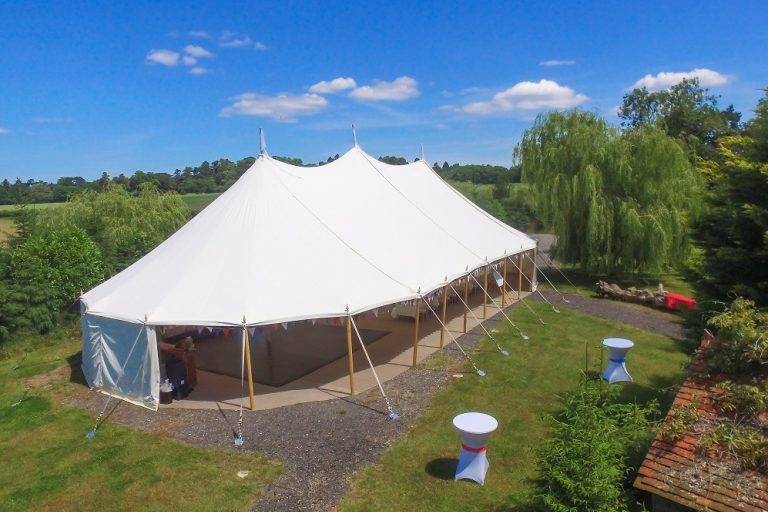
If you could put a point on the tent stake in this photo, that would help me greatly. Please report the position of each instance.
(247, 341)
(350, 358)
(416, 333)
(443, 312)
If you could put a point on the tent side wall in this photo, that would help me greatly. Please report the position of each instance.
(120, 359)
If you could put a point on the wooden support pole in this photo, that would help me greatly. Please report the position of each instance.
(416, 334)
(247, 341)
(466, 299)
(520, 276)
(350, 357)
(442, 314)
(485, 293)
(504, 283)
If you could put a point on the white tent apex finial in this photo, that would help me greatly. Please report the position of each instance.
(262, 142)
(354, 137)
(422, 152)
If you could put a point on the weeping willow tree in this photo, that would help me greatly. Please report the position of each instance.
(616, 201)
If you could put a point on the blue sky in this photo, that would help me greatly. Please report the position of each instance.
(92, 86)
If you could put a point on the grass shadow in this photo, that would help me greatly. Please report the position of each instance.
(75, 369)
(443, 468)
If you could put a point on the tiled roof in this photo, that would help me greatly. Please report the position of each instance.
(684, 473)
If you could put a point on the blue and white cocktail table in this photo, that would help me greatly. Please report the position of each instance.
(617, 357)
(475, 427)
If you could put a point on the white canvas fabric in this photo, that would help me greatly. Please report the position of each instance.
(287, 243)
(120, 359)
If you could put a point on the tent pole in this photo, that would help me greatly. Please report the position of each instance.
(416, 333)
(485, 289)
(466, 299)
(504, 284)
(442, 313)
(247, 341)
(350, 358)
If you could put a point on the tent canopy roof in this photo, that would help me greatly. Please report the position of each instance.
(286, 243)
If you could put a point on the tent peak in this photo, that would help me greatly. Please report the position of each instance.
(262, 142)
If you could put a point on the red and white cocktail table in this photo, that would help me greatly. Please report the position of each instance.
(475, 427)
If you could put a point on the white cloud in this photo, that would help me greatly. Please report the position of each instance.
(48, 120)
(524, 97)
(666, 79)
(200, 34)
(188, 60)
(197, 52)
(198, 70)
(333, 86)
(4, 131)
(399, 89)
(260, 46)
(282, 107)
(233, 40)
(555, 62)
(164, 57)
(473, 90)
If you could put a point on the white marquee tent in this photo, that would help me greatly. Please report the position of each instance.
(288, 243)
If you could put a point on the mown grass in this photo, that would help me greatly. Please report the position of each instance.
(50, 465)
(416, 473)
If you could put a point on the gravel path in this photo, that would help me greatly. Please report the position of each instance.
(635, 315)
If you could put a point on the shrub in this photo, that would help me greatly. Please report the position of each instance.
(740, 399)
(45, 273)
(742, 333)
(584, 463)
(748, 445)
(680, 421)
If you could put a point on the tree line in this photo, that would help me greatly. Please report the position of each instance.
(211, 177)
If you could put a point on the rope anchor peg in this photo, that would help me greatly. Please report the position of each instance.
(391, 413)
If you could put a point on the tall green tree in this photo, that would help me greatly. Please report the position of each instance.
(124, 226)
(686, 111)
(733, 231)
(617, 202)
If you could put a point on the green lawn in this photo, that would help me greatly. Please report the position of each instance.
(416, 473)
(50, 465)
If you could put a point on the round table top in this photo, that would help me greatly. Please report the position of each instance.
(475, 423)
(617, 343)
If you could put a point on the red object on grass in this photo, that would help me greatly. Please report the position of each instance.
(677, 301)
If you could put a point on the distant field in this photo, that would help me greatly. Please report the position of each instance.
(196, 202)
(41, 206)
(7, 227)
